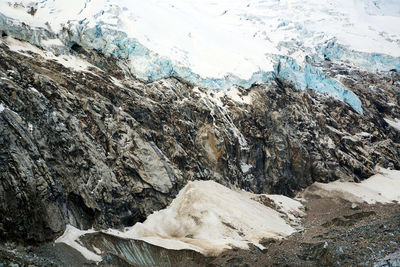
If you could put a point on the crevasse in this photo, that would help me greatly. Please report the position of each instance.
(308, 76)
(149, 66)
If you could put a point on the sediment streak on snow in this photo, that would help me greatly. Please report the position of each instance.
(71, 238)
(209, 218)
(380, 188)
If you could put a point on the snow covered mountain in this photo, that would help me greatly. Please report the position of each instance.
(217, 44)
(199, 133)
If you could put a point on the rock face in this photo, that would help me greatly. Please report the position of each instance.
(98, 148)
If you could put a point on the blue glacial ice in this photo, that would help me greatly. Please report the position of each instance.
(149, 66)
(308, 76)
(369, 61)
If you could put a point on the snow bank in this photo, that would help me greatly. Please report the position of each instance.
(71, 238)
(209, 218)
(205, 217)
(380, 188)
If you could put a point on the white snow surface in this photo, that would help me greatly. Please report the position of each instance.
(291, 207)
(227, 37)
(220, 44)
(68, 61)
(395, 124)
(380, 188)
(209, 218)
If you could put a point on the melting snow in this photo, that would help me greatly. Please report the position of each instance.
(292, 208)
(71, 238)
(209, 218)
(382, 188)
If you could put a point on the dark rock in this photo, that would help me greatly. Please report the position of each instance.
(102, 149)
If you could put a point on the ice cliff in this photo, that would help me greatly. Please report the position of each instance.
(217, 45)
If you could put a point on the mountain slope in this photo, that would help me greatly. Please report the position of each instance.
(217, 45)
(88, 144)
(108, 109)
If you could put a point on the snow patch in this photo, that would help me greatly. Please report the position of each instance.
(395, 124)
(290, 207)
(209, 218)
(2, 107)
(245, 167)
(71, 238)
(52, 42)
(117, 82)
(23, 47)
(33, 89)
(382, 188)
(67, 61)
(235, 95)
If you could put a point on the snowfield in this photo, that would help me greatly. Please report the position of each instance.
(217, 44)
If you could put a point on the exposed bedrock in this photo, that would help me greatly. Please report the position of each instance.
(100, 148)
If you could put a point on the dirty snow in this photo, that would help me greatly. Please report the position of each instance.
(384, 187)
(291, 207)
(71, 238)
(67, 61)
(209, 218)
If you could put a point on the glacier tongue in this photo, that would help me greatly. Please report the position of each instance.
(220, 44)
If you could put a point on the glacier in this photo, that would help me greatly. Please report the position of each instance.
(309, 76)
(220, 44)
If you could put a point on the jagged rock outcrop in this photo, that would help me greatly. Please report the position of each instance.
(99, 148)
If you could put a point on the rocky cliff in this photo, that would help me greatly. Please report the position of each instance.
(83, 142)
